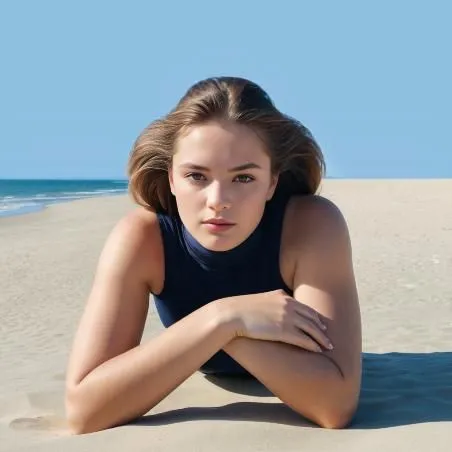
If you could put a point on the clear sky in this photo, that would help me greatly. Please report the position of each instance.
(80, 80)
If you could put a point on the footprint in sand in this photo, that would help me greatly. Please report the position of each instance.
(46, 423)
(39, 411)
(30, 423)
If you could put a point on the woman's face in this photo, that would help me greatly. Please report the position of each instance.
(220, 171)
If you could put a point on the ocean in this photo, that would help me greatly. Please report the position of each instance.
(24, 196)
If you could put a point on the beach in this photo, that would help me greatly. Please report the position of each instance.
(401, 233)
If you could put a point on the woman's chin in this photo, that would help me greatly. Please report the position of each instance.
(214, 242)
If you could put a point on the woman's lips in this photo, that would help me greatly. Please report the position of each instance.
(217, 225)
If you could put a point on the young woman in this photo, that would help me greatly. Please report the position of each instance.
(251, 270)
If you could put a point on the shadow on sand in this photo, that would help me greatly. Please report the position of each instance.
(397, 389)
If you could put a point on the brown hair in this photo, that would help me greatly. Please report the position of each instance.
(294, 153)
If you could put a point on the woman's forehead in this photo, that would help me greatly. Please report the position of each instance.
(220, 144)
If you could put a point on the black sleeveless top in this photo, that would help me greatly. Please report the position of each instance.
(195, 276)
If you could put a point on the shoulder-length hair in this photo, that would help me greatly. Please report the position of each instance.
(293, 151)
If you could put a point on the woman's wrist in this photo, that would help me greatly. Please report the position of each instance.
(227, 316)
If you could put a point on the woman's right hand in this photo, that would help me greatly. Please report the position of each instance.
(275, 316)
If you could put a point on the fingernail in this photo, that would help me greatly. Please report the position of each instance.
(323, 326)
(330, 346)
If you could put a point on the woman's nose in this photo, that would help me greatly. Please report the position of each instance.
(218, 199)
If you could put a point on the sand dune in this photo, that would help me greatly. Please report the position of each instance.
(402, 240)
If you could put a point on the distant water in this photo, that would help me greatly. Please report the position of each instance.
(24, 196)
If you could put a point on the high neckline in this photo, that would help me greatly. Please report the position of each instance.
(215, 260)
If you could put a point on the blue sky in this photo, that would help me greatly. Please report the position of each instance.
(80, 80)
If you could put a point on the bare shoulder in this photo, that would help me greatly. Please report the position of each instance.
(314, 218)
(312, 224)
(136, 240)
(310, 210)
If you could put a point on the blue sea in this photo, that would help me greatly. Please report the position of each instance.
(24, 196)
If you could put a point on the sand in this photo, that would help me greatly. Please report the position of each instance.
(402, 239)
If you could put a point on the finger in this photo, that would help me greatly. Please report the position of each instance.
(310, 313)
(311, 328)
(299, 339)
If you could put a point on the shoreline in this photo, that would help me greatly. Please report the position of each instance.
(24, 196)
(25, 211)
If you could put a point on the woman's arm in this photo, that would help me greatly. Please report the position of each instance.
(111, 378)
(323, 387)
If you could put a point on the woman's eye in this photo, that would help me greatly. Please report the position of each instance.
(244, 178)
(241, 178)
(195, 176)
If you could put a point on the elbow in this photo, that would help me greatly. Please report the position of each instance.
(77, 425)
(77, 422)
(78, 419)
(333, 417)
(336, 419)
(336, 411)
(339, 414)
(341, 405)
(86, 413)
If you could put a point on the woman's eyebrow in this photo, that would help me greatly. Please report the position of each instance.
(243, 167)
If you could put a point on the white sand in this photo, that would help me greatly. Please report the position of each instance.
(402, 240)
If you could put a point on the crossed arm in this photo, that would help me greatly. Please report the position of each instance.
(113, 378)
(324, 387)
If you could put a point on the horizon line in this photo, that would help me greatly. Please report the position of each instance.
(79, 179)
